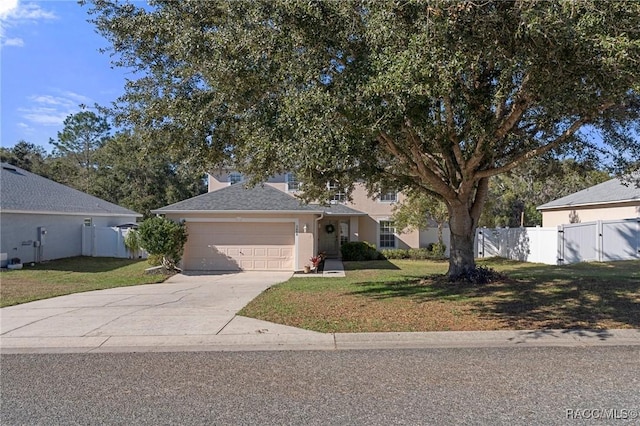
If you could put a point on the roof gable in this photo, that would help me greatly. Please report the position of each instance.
(265, 198)
(611, 191)
(23, 191)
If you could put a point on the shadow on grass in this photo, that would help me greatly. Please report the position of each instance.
(369, 265)
(83, 264)
(537, 297)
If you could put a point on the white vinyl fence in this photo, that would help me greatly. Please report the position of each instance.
(580, 242)
(102, 241)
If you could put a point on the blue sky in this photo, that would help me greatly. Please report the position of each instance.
(49, 65)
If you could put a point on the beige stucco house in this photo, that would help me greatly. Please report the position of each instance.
(267, 228)
(610, 200)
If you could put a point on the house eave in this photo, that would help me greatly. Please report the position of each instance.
(600, 203)
(244, 212)
(61, 213)
(236, 212)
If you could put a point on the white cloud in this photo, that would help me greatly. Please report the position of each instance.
(52, 109)
(14, 42)
(13, 13)
(7, 7)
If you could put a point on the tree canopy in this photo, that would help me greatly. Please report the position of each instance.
(83, 134)
(430, 96)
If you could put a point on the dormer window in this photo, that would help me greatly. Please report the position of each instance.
(292, 182)
(235, 177)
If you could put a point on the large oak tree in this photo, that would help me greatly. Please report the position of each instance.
(432, 96)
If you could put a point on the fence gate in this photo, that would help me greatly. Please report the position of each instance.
(599, 241)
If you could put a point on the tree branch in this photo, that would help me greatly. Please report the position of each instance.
(417, 165)
(479, 200)
(545, 148)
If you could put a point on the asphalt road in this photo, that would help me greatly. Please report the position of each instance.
(547, 385)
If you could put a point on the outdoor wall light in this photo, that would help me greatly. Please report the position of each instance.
(304, 228)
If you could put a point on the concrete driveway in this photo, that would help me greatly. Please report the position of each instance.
(185, 310)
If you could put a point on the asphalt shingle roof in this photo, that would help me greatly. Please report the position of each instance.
(21, 190)
(259, 198)
(611, 191)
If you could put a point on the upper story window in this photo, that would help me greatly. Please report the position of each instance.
(387, 234)
(235, 177)
(339, 194)
(389, 197)
(292, 182)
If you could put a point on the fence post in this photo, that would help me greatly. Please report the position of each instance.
(560, 234)
(599, 244)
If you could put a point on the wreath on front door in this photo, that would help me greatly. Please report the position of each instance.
(329, 228)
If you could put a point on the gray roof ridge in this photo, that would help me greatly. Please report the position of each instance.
(610, 191)
(261, 197)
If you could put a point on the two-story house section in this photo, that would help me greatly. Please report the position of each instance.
(267, 228)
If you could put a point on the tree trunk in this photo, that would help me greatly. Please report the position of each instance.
(463, 221)
(461, 252)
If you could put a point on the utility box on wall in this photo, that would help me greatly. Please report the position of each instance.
(42, 232)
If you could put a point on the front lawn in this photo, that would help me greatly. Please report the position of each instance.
(73, 275)
(399, 295)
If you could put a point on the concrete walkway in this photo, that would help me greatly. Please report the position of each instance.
(333, 268)
(199, 313)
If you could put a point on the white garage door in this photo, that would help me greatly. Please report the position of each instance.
(232, 246)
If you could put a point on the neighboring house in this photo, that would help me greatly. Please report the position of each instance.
(42, 220)
(267, 228)
(609, 200)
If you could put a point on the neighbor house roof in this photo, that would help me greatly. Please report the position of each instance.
(259, 199)
(611, 191)
(25, 192)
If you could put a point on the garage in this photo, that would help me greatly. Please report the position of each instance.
(233, 246)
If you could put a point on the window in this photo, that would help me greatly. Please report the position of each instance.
(235, 177)
(387, 234)
(87, 222)
(389, 197)
(339, 194)
(292, 182)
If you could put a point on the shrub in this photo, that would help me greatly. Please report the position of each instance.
(359, 251)
(132, 242)
(395, 254)
(432, 252)
(162, 237)
(437, 250)
(154, 260)
(419, 254)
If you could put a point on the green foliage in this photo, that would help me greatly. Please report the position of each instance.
(132, 242)
(359, 251)
(27, 156)
(154, 259)
(141, 178)
(162, 237)
(83, 133)
(533, 184)
(434, 97)
(420, 211)
(437, 250)
(433, 251)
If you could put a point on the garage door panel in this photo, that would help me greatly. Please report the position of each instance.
(234, 246)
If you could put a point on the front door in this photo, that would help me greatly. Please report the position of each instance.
(329, 234)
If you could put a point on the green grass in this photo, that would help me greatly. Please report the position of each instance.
(72, 275)
(404, 295)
